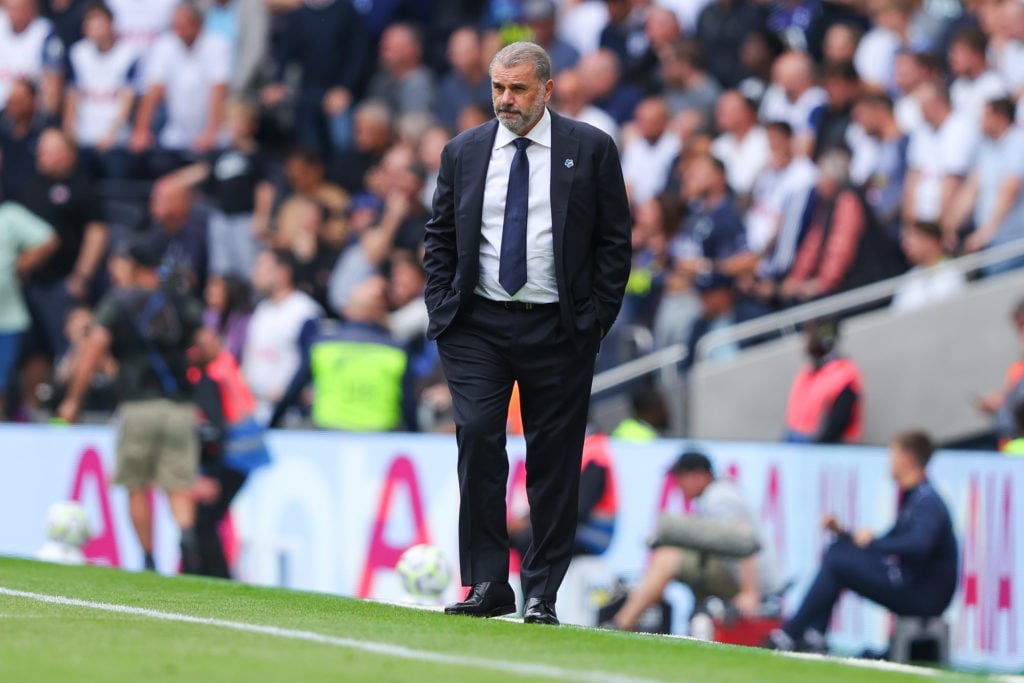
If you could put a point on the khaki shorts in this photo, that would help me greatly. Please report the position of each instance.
(708, 577)
(157, 444)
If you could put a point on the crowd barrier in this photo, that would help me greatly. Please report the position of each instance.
(333, 513)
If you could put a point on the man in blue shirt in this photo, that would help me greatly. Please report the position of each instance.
(911, 570)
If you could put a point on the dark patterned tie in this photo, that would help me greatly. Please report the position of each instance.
(512, 267)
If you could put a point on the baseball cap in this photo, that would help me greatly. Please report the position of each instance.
(691, 461)
(147, 253)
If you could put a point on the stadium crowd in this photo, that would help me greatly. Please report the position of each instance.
(283, 153)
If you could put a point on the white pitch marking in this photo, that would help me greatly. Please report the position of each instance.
(385, 649)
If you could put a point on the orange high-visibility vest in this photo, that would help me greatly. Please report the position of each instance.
(597, 451)
(814, 393)
(236, 399)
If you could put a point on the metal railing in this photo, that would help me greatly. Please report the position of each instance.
(789, 320)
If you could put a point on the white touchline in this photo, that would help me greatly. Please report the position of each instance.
(389, 650)
(385, 649)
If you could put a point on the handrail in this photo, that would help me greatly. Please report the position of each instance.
(638, 367)
(789, 319)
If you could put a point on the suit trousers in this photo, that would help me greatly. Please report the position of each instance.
(484, 351)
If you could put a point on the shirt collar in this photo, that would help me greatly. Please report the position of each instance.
(540, 134)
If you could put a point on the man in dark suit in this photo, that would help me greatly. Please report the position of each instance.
(527, 255)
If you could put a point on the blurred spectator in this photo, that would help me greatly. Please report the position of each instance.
(100, 94)
(400, 224)
(742, 145)
(232, 444)
(272, 354)
(1015, 446)
(794, 97)
(757, 55)
(372, 136)
(429, 156)
(602, 75)
(539, 18)
(930, 280)
(572, 99)
(843, 248)
(305, 176)
(187, 69)
(408, 317)
(886, 176)
(992, 191)
(685, 82)
(467, 83)
(974, 83)
(777, 201)
(649, 417)
(228, 311)
(304, 228)
(720, 307)
(360, 374)
(20, 126)
(328, 41)
(910, 71)
(26, 242)
(877, 51)
(723, 28)
(30, 49)
(66, 16)
(826, 400)
(244, 25)
(182, 230)
(648, 156)
(402, 81)
(101, 395)
(624, 35)
(840, 43)
(140, 23)
(940, 156)
(833, 123)
(651, 228)
(712, 233)
(237, 183)
(67, 200)
(1006, 46)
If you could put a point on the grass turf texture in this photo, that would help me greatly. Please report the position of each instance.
(56, 642)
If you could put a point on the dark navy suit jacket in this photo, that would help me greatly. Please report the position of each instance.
(590, 224)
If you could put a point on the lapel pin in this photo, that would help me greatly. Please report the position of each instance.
(568, 163)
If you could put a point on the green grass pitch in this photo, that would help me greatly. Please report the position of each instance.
(88, 624)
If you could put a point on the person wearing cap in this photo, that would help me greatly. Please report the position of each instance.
(911, 570)
(825, 402)
(743, 582)
(720, 307)
(149, 328)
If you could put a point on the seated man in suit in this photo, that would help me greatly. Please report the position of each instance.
(911, 570)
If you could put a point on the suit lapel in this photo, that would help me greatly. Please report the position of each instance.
(565, 147)
(476, 157)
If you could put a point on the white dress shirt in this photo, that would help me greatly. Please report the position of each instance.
(541, 286)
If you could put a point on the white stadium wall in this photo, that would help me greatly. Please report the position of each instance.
(333, 512)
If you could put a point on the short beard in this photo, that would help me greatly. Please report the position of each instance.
(523, 123)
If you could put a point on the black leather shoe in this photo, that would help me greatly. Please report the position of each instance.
(487, 599)
(540, 611)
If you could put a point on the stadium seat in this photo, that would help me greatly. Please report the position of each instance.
(919, 639)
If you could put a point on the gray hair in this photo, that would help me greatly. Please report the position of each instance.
(524, 53)
(834, 164)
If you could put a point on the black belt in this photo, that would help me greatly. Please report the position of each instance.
(517, 305)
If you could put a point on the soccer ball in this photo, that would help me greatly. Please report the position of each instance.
(67, 522)
(424, 570)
